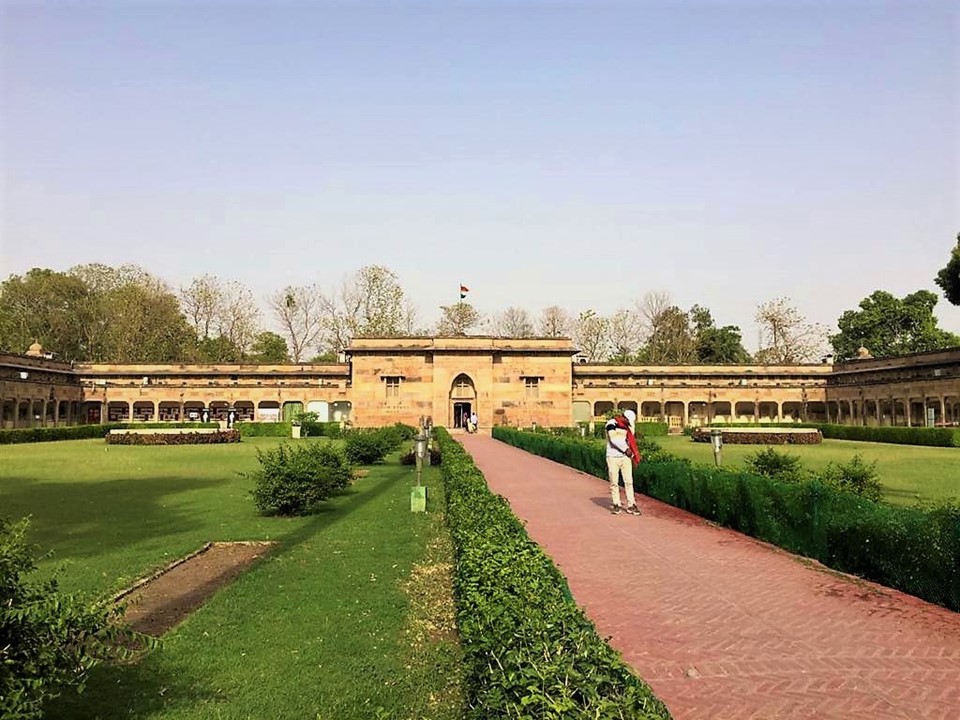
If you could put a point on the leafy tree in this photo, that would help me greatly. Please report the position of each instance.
(713, 344)
(514, 322)
(671, 341)
(786, 337)
(721, 345)
(218, 349)
(44, 306)
(457, 319)
(555, 322)
(144, 325)
(269, 348)
(888, 326)
(49, 640)
(949, 277)
(591, 335)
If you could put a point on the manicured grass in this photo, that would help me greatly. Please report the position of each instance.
(327, 626)
(910, 474)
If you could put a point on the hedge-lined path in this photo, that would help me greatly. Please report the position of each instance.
(723, 626)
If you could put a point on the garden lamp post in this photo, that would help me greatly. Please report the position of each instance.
(418, 493)
(716, 440)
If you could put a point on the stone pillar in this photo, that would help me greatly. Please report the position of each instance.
(908, 407)
(779, 410)
(756, 411)
(879, 415)
(943, 416)
(156, 411)
(686, 414)
(56, 413)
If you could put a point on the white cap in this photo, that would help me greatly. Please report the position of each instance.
(631, 417)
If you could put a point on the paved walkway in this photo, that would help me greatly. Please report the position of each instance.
(723, 626)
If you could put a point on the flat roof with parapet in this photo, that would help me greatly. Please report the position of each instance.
(463, 343)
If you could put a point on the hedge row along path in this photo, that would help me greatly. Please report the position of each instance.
(723, 626)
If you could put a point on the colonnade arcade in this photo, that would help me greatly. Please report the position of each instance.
(210, 411)
(24, 413)
(908, 411)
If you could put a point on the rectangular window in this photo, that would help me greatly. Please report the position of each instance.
(392, 385)
(532, 387)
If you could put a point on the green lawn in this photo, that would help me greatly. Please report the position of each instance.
(909, 473)
(327, 626)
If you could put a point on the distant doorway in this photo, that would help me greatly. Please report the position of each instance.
(461, 414)
(462, 397)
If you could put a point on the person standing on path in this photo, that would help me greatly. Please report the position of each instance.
(622, 455)
(473, 421)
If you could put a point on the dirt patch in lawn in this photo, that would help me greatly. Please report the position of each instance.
(160, 602)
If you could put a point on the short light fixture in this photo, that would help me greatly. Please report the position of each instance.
(24, 374)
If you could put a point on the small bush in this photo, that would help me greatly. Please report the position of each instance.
(856, 476)
(772, 464)
(49, 640)
(366, 447)
(293, 480)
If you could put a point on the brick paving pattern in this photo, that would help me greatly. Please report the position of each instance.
(723, 626)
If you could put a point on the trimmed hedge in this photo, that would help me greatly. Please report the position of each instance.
(916, 550)
(83, 432)
(321, 429)
(190, 438)
(529, 650)
(264, 429)
(930, 437)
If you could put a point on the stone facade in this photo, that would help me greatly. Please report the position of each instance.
(515, 382)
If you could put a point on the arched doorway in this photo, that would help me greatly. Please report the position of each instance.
(463, 400)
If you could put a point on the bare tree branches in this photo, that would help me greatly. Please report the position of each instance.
(785, 335)
(555, 322)
(299, 310)
(514, 322)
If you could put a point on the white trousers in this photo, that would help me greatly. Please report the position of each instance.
(615, 467)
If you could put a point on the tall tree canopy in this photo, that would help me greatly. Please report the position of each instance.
(949, 277)
(94, 313)
(888, 326)
(47, 307)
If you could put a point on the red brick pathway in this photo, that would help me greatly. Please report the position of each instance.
(723, 626)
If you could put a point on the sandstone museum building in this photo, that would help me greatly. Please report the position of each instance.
(506, 381)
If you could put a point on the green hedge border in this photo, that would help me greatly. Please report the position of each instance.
(530, 652)
(915, 550)
(928, 437)
(83, 432)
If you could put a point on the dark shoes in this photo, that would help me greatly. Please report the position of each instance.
(616, 509)
(633, 510)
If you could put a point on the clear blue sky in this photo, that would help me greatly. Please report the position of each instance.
(574, 153)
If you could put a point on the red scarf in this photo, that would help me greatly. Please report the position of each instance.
(624, 424)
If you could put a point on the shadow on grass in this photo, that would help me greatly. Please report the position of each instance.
(77, 520)
(125, 691)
